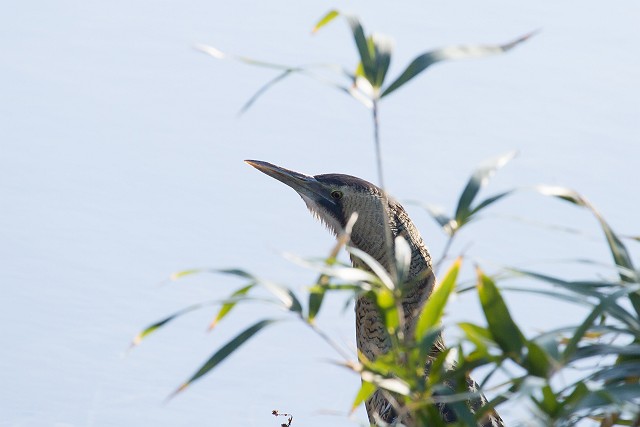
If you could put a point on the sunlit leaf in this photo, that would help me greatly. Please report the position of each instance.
(479, 179)
(403, 258)
(422, 62)
(366, 391)
(330, 16)
(227, 307)
(380, 272)
(434, 307)
(157, 325)
(501, 325)
(224, 352)
(386, 303)
(395, 385)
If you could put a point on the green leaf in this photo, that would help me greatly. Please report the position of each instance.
(386, 303)
(434, 307)
(537, 362)
(422, 62)
(490, 200)
(286, 297)
(501, 325)
(227, 307)
(316, 296)
(395, 385)
(479, 179)
(328, 17)
(366, 391)
(366, 55)
(382, 48)
(224, 352)
(157, 325)
(618, 250)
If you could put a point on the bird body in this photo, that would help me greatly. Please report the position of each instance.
(333, 198)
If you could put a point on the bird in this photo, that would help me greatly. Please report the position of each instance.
(333, 198)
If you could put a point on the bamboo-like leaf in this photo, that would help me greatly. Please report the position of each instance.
(328, 17)
(618, 250)
(590, 289)
(437, 213)
(537, 362)
(479, 179)
(366, 391)
(224, 352)
(395, 385)
(382, 48)
(501, 325)
(180, 274)
(403, 258)
(489, 200)
(157, 325)
(316, 296)
(434, 307)
(377, 268)
(364, 50)
(283, 294)
(227, 307)
(422, 62)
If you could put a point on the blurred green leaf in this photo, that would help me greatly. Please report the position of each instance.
(422, 62)
(501, 325)
(366, 391)
(382, 48)
(488, 201)
(316, 296)
(330, 16)
(365, 51)
(403, 258)
(437, 213)
(434, 307)
(395, 385)
(386, 303)
(537, 361)
(224, 352)
(479, 179)
(227, 307)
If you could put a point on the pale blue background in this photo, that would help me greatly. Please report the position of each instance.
(121, 162)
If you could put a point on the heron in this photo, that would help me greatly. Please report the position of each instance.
(333, 198)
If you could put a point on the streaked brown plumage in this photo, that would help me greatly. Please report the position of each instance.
(333, 198)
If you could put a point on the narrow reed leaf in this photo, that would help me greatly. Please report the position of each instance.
(157, 325)
(227, 307)
(377, 268)
(434, 307)
(366, 391)
(501, 325)
(330, 16)
(224, 352)
(479, 179)
(422, 62)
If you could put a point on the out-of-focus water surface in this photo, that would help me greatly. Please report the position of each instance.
(121, 162)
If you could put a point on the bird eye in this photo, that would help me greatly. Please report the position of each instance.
(336, 194)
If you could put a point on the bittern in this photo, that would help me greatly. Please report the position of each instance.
(333, 198)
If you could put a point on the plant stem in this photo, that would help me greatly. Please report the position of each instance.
(376, 140)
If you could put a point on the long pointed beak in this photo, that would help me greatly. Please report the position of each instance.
(305, 185)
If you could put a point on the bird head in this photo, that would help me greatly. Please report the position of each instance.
(333, 198)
